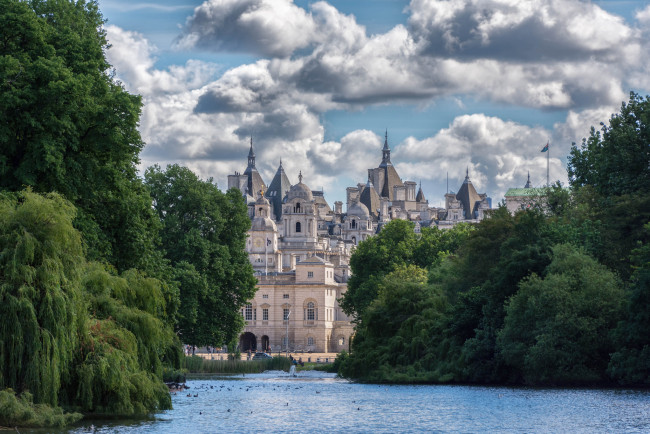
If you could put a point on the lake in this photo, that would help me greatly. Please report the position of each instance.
(318, 402)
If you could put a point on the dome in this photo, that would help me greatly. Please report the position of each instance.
(262, 201)
(301, 191)
(264, 224)
(358, 209)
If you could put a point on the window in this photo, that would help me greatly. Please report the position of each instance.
(310, 311)
(265, 314)
(265, 296)
(285, 295)
(341, 341)
(310, 274)
(298, 228)
(285, 314)
(310, 341)
(353, 224)
(248, 312)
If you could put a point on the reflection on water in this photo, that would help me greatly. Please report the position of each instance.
(317, 402)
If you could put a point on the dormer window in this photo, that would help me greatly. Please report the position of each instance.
(297, 207)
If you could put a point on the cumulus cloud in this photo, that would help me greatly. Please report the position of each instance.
(550, 55)
(497, 153)
(539, 31)
(266, 27)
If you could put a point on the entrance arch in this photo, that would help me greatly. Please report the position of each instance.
(265, 344)
(247, 342)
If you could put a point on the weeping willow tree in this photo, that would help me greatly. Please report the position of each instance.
(41, 307)
(73, 333)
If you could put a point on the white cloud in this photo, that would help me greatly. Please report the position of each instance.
(549, 55)
(266, 27)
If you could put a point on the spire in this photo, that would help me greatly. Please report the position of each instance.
(467, 176)
(528, 182)
(251, 155)
(385, 159)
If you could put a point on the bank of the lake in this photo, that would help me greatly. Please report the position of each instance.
(319, 402)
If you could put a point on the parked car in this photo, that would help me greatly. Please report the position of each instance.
(262, 356)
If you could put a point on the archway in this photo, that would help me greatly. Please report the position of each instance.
(247, 342)
(266, 347)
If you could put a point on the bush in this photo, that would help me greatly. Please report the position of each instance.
(21, 411)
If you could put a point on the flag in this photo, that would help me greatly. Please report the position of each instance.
(545, 148)
(268, 242)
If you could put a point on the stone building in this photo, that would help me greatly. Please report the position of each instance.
(300, 248)
(524, 198)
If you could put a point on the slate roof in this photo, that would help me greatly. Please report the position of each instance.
(277, 190)
(468, 196)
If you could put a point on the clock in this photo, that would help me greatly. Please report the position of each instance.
(258, 242)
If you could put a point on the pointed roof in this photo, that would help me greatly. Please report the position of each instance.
(528, 182)
(370, 199)
(420, 195)
(277, 190)
(385, 158)
(255, 182)
(391, 178)
(468, 196)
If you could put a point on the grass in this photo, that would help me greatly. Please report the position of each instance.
(199, 365)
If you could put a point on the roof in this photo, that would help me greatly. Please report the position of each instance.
(277, 190)
(420, 196)
(468, 196)
(526, 192)
(370, 199)
(312, 260)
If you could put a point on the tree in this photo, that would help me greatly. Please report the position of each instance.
(616, 160)
(630, 364)
(68, 127)
(41, 306)
(204, 234)
(71, 333)
(556, 330)
(396, 339)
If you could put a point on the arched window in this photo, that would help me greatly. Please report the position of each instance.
(298, 228)
(353, 224)
(310, 341)
(354, 240)
(297, 208)
(310, 311)
(341, 341)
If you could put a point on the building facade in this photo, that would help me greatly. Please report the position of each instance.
(300, 249)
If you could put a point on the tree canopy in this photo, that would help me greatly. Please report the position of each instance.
(204, 234)
(68, 127)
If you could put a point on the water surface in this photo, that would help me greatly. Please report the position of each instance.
(317, 402)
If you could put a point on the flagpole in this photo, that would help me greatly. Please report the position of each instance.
(266, 256)
(548, 159)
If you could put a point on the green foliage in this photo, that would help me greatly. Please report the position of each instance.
(50, 345)
(396, 339)
(630, 364)
(204, 235)
(616, 160)
(395, 246)
(21, 411)
(199, 365)
(556, 329)
(40, 300)
(68, 127)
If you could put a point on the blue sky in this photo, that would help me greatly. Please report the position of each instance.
(459, 84)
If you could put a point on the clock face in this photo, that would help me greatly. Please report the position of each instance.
(258, 242)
